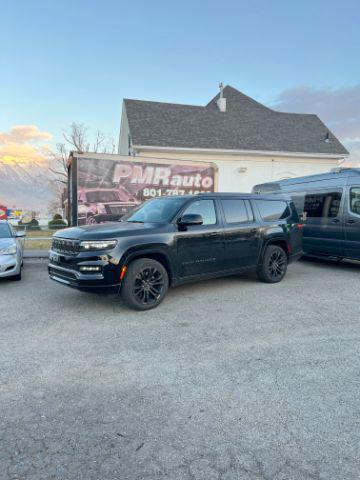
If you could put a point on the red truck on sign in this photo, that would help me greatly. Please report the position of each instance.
(3, 210)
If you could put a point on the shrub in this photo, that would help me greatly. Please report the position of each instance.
(57, 222)
(32, 225)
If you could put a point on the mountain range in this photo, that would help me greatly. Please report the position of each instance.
(25, 186)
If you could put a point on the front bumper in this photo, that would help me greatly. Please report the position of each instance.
(66, 270)
(10, 265)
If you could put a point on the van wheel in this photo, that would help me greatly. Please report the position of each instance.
(274, 265)
(145, 284)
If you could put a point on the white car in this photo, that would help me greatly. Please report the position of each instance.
(11, 251)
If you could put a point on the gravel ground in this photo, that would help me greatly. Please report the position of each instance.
(227, 379)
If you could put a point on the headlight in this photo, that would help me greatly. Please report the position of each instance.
(98, 245)
(11, 250)
(100, 208)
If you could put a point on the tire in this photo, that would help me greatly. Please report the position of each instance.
(274, 265)
(17, 277)
(90, 220)
(145, 284)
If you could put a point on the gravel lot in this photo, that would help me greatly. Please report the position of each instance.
(227, 379)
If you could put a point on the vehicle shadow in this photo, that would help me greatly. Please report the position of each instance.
(8, 280)
(191, 289)
(340, 265)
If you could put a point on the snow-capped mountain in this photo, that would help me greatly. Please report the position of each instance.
(25, 186)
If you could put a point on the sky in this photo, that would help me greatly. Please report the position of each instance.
(74, 61)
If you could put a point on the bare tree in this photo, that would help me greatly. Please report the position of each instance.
(59, 163)
(99, 140)
(76, 139)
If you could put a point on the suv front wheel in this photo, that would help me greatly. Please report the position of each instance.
(274, 265)
(145, 284)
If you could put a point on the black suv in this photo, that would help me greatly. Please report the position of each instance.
(173, 240)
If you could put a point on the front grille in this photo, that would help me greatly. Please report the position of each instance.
(65, 246)
(62, 273)
(66, 265)
(117, 210)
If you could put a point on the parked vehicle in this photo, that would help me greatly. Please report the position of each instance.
(11, 251)
(96, 205)
(329, 205)
(171, 240)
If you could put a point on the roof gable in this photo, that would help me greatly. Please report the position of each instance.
(246, 125)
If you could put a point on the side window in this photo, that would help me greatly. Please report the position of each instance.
(355, 200)
(235, 211)
(322, 205)
(272, 210)
(205, 208)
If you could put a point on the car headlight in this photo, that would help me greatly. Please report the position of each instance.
(10, 250)
(100, 208)
(98, 245)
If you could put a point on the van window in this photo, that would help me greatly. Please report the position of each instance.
(355, 200)
(322, 205)
(271, 210)
(235, 211)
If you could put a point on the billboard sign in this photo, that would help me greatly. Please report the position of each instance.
(109, 188)
(3, 212)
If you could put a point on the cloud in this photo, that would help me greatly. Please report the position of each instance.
(338, 109)
(24, 168)
(23, 134)
(24, 144)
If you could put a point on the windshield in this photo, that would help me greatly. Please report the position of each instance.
(102, 196)
(158, 210)
(4, 231)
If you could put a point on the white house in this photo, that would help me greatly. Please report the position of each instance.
(249, 142)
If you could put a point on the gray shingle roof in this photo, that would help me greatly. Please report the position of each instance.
(246, 125)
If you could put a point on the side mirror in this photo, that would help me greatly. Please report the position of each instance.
(20, 234)
(190, 219)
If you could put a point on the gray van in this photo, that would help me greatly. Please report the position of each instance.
(329, 205)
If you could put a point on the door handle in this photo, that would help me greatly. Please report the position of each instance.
(351, 221)
(335, 220)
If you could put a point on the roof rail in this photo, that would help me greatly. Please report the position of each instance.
(342, 169)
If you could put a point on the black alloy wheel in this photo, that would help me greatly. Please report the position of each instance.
(277, 264)
(145, 284)
(148, 285)
(274, 265)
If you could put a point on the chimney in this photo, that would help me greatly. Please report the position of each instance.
(221, 103)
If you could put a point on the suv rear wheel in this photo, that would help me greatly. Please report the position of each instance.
(274, 265)
(145, 284)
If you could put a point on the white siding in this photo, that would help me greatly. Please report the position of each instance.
(239, 173)
(123, 148)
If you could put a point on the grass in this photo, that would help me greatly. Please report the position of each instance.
(38, 239)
